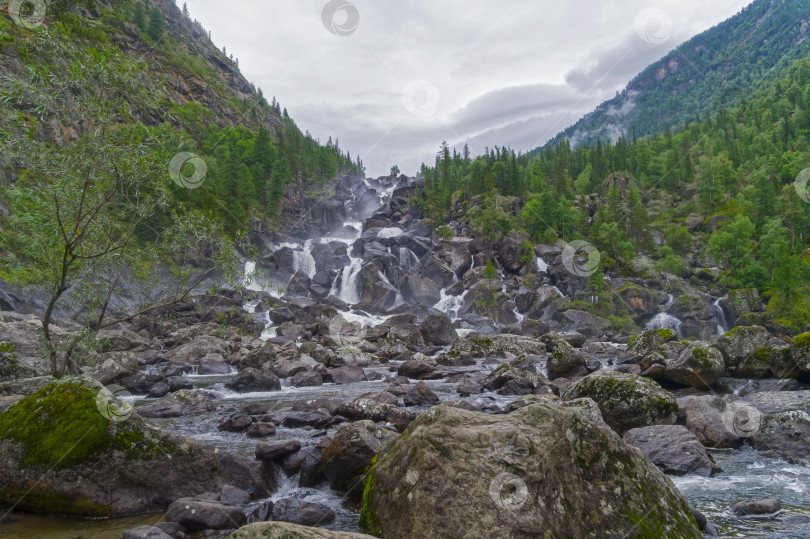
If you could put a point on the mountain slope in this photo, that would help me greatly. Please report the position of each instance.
(713, 70)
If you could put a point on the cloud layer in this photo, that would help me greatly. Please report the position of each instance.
(407, 75)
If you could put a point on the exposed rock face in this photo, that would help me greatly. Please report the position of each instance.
(286, 530)
(673, 449)
(625, 400)
(700, 365)
(539, 484)
(251, 379)
(126, 466)
(508, 248)
(564, 359)
(438, 330)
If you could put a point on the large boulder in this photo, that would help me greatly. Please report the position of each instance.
(181, 403)
(529, 473)
(288, 530)
(509, 251)
(700, 365)
(673, 449)
(302, 512)
(422, 290)
(197, 515)
(351, 451)
(438, 330)
(642, 302)
(713, 420)
(250, 380)
(740, 342)
(564, 359)
(510, 380)
(626, 401)
(779, 422)
(74, 428)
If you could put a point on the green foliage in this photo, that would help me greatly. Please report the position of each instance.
(156, 26)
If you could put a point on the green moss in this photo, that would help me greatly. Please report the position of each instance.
(667, 334)
(59, 425)
(50, 502)
(368, 519)
(802, 340)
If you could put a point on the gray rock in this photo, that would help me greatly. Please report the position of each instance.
(351, 451)
(178, 404)
(625, 400)
(249, 380)
(740, 342)
(231, 495)
(302, 512)
(287, 530)
(673, 449)
(205, 515)
(505, 467)
(145, 532)
(700, 365)
(438, 330)
(347, 375)
(760, 507)
(274, 450)
(420, 394)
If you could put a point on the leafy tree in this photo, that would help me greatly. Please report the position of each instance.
(156, 25)
(394, 171)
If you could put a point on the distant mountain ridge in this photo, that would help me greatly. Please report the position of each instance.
(713, 70)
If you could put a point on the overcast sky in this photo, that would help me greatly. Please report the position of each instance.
(393, 78)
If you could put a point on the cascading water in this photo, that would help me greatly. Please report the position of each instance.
(722, 322)
(542, 267)
(664, 320)
(450, 305)
(303, 260)
(345, 286)
(407, 258)
(390, 232)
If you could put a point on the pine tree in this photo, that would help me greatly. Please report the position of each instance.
(185, 10)
(139, 16)
(156, 26)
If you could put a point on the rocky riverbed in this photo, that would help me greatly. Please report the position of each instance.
(367, 376)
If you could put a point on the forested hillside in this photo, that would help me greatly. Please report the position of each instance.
(718, 193)
(713, 70)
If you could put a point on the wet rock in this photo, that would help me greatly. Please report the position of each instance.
(230, 495)
(438, 330)
(114, 366)
(673, 449)
(176, 383)
(287, 530)
(420, 395)
(237, 422)
(386, 397)
(261, 429)
(145, 532)
(205, 515)
(285, 369)
(564, 359)
(125, 467)
(351, 451)
(416, 368)
(423, 290)
(302, 512)
(252, 380)
(642, 302)
(625, 400)
(276, 450)
(347, 375)
(375, 411)
(181, 403)
(760, 507)
(307, 379)
(468, 387)
(496, 485)
(700, 365)
(585, 323)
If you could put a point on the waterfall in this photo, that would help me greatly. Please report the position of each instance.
(450, 305)
(720, 315)
(664, 320)
(542, 267)
(303, 260)
(407, 258)
(345, 285)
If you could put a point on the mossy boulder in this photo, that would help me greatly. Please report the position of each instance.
(82, 455)
(758, 363)
(626, 401)
(700, 365)
(689, 306)
(649, 341)
(479, 346)
(800, 352)
(287, 530)
(544, 470)
(564, 359)
(741, 342)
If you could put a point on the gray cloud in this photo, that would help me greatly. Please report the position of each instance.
(505, 73)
